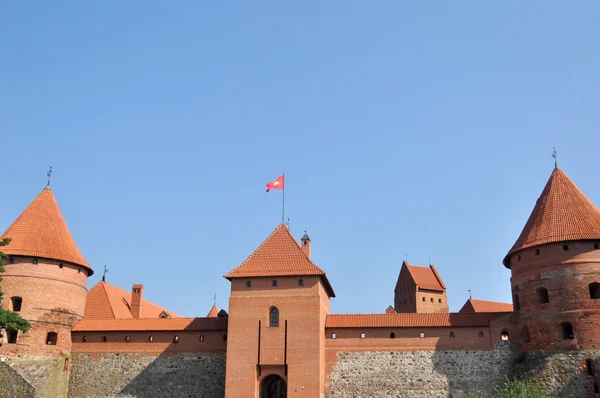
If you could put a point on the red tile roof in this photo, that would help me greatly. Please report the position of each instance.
(41, 231)
(425, 277)
(410, 320)
(562, 213)
(213, 313)
(158, 324)
(485, 306)
(105, 301)
(390, 310)
(279, 255)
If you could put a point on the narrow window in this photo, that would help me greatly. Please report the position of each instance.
(224, 337)
(537, 252)
(12, 260)
(504, 335)
(525, 335)
(452, 335)
(51, 338)
(300, 282)
(480, 334)
(151, 338)
(596, 246)
(431, 299)
(66, 367)
(519, 257)
(84, 339)
(60, 265)
(423, 298)
(274, 317)
(516, 303)
(392, 335)
(104, 339)
(440, 301)
(589, 367)
(127, 339)
(597, 388)
(274, 283)
(595, 291)
(176, 339)
(35, 260)
(566, 248)
(202, 338)
(16, 303)
(567, 331)
(333, 336)
(12, 336)
(422, 334)
(363, 335)
(542, 294)
(248, 283)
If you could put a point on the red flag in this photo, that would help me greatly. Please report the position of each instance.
(275, 184)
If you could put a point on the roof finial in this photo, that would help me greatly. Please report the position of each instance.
(215, 300)
(469, 294)
(554, 155)
(48, 174)
(405, 257)
(104, 274)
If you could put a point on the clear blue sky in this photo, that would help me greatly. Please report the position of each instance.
(411, 128)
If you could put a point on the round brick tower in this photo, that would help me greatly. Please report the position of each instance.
(45, 279)
(555, 266)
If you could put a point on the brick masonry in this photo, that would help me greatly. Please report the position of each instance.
(199, 375)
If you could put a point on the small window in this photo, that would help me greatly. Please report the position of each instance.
(300, 282)
(525, 335)
(274, 283)
(595, 291)
(596, 246)
(202, 338)
(127, 339)
(16, 303)
(589, 366)
(537, 252)
(597, 388)
(84, 339)
(12, 336)
(176, 339)
(151, 338)
(51, 338)
(440, 301)
(248, 283)
(516, 303)
(567, 331)
(363, 335)
(422, 335)
(224, 337)
(274, 317)
(519, 257)
(60, 265)
(423, 298)
(480, 334)
(333, 336)
(542, 294)
(104, 339)
(504, 335)
(12, 260)
(431, 299)
(392, 335)
(35, 260)
(78, 270)
(566, 248)
(452, 335)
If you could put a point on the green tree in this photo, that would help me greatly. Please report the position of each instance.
(521, 389)
(9, 319)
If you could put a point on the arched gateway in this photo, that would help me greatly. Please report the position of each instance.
(273, 387)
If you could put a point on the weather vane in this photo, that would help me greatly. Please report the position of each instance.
(555, 156)
(469, 294)
(104, 274)
(49, 174)
(215, 300)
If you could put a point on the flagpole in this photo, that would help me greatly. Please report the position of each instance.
(283, 202)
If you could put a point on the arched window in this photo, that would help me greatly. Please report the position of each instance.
(423, 298)
(151, 338)
(440, 301)
(431, 299)
(422, 334)
(104, 339)
(516, 303)
(16, 303)
(176, 339)
(452, 335)
(202, 338)
(480, 334)
(392, 335)
(595, 291)
(274, 317)
(589, 366)
(504, 335)
(542, 294)
(567, 331)
(51, 338)
(525, 335)
(363, 335)
(333, 336)
(127, 339)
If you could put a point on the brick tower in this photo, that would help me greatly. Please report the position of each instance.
(555, 266)
(277, 310)
(45, 279)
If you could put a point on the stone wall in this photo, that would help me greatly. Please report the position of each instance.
(199, 375)
(561, 373)
(40, 377)
(12, 384)
(424, 374)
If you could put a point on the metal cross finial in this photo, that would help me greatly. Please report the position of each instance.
(48, 174)
(469, 294)
(215, 300)
(104, 274)
(554, 155)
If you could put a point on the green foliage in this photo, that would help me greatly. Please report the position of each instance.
(9, 319)
(521, 389)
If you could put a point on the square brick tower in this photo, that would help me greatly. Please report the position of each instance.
(277, 310)
(420, 290)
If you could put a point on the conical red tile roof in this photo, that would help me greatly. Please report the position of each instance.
(41, 231)
(279, 255)
(562, 213)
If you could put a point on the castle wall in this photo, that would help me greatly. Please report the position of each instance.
(147, 376)
(35, 376)
(414, 374)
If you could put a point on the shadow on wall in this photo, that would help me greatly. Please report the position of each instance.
(12, 384)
